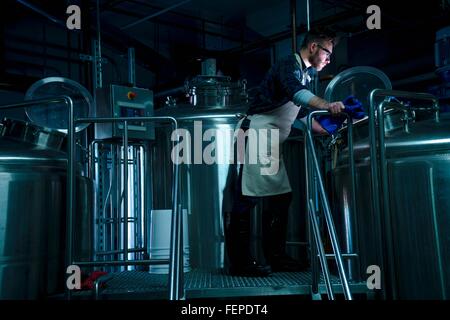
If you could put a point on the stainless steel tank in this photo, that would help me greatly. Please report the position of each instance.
(202, 186)
(215, 91)
(206, 189)
(33, 211)
(408, 236)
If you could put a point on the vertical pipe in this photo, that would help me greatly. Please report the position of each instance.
(312, 243)
(125, 190)
(175, 279)
(353, 194)
(98, 72)
(71, 191)
(131, 67)
(322, 256)
(308, 24)
(385, 210)
(98, 21)
(293, 5)
(116, 234)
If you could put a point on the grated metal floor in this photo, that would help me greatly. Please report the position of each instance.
(215, 284)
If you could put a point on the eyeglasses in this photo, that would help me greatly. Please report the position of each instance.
(328, 52)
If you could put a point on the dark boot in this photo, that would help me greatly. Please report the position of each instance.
(237, 241)
(275, 220)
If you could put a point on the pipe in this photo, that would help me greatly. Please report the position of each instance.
(125, 190)
(42, 12)
(322, 256)
(70, 184)
(293, 5)
(308, 26)
(311, 236)
(121, 263)
(154, 15)
(131, 67)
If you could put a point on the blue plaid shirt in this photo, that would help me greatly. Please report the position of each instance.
(282, 81)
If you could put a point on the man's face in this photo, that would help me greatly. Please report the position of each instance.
(320, 53)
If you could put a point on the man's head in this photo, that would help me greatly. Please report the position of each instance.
(317, 47)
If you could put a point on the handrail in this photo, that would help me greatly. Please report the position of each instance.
(377, 141)
(326, 207)
(176, 258)
(319, 243)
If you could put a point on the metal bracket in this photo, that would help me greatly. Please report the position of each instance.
(97, 65)
(90, 58)
(408, 116)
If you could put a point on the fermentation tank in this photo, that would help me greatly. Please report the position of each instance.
(403, 230)
(33, 211)
(203, 185)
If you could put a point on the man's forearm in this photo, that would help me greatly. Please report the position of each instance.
(318, 103)
(305, 97)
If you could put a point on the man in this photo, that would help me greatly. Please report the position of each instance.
(284, 95)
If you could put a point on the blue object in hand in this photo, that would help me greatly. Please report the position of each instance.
(353, 107)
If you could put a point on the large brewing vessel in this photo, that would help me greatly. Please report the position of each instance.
(401, 224)
(33, 211)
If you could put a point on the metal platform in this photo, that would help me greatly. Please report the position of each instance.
(216, 284)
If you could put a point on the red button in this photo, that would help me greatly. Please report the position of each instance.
(131, 95)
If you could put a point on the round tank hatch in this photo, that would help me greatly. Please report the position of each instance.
(55, 116)
(359, 82)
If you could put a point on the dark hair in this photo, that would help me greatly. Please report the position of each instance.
(319, 35)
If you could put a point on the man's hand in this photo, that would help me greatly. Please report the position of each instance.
(335, 107)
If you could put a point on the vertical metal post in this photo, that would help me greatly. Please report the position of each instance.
(375, 175)
(353, 194)
(322, 256)
(71, 190)
(327, 210)
(312, 240)
(97, 54)
(175, 279)
(131, 67)
(307, 15)
(293, 5)
(385, 198)
(125, 190)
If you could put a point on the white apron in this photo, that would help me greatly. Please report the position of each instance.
(263, 178)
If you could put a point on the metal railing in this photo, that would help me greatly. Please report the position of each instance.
(315, 191)
(380, 203)
(176, 262)
(176, 290)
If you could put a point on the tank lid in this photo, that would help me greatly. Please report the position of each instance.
(27, 132)
(359, 82)
(56, 115)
